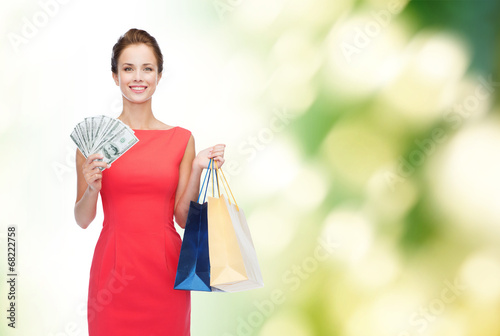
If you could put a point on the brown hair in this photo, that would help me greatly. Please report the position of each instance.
(131, 37)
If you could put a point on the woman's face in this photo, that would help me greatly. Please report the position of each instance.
(137, 73)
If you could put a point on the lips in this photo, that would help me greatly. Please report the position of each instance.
(138, 89)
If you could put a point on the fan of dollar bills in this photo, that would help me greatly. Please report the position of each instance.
(105, 135)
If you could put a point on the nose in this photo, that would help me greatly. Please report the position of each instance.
(137, 76)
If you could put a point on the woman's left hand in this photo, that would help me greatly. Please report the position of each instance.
(216, 152)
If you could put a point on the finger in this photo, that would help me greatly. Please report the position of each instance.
(92, 177)
(96, 164)
(93, 157)
(217, 152)
(94, 180)
(220, 160)
(214, 153)
(218, 148)
(92, 169)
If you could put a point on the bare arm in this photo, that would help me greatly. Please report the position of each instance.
(190, 171)
(88, 186)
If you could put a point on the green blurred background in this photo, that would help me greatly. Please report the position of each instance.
(362, 142)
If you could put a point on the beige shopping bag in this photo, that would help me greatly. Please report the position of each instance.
(234, 256)
(226, 261)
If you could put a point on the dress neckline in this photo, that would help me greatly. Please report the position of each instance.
(168, 129)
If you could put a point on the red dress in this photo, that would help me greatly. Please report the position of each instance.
(131, 288)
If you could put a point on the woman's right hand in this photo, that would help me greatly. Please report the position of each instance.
(92, 174)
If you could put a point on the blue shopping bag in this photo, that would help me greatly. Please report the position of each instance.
(193, 269)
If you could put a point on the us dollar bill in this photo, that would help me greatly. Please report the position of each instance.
(121, 142)
(105, 135)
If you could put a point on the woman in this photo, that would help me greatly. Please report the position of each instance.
(135, 259)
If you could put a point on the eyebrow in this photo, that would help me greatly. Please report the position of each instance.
(143, 64)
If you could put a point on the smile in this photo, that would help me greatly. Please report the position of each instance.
(138, 89)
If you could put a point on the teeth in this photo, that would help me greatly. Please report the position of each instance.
(138, 88)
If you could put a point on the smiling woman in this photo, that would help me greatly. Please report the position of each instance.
(137, 65)
(137, 81)
(151, 184)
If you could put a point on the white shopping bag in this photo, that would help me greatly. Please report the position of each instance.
(245, 257)
(248, 253)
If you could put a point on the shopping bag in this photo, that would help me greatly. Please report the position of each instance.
(254, 275)
(226, 261)
(233, 259)
(193, 268)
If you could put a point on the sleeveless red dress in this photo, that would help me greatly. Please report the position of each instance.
(131, 288)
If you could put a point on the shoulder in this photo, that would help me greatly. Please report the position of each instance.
(184, 137)
(184, 134)
(183, 130)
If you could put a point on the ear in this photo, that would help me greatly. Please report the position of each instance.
(158, 78)
(115, 77)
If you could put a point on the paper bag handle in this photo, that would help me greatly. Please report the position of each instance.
(224, 185)
(203, 184)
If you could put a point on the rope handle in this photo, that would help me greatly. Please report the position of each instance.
(224, 185)
(207, 173)
(214, 174)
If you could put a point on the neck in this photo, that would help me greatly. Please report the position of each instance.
(137, 116)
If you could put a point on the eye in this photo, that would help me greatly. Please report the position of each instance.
(128, 69)
(148, 69)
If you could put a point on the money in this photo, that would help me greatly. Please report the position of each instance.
(104, 135)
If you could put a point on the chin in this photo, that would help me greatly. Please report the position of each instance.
(137, 101)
